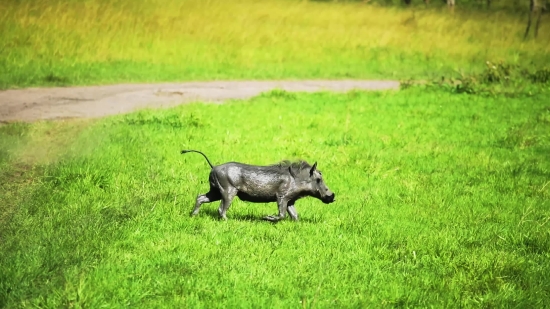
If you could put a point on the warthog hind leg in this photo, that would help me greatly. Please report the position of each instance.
(227, 198)
(212, 196)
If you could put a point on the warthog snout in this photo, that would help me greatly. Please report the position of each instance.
(328, 198)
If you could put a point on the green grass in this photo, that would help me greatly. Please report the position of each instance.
(443, 200)
(54, 42)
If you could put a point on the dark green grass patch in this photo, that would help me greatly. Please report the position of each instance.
(442, 200)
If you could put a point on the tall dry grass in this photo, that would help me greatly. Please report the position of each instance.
(102, 41)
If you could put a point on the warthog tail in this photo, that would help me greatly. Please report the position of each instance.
(186, 151)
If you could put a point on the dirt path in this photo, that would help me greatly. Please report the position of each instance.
(98, 101)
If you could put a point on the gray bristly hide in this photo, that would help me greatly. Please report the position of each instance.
(284, 183)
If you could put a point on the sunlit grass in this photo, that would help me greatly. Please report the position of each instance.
(442, 201)
(73, 42)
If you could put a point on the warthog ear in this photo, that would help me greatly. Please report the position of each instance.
(291, 172)
(312, 169)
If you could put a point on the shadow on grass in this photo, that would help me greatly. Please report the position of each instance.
(253, 218)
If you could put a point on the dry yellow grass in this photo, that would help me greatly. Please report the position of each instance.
(162, 40)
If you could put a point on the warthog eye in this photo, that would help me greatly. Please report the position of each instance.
(318, 180)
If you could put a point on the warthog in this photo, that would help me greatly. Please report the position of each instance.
(283, 183)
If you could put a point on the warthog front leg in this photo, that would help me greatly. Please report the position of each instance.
(292, 211)
(283, 208)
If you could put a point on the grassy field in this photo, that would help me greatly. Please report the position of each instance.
(443, 200)
(54, 42)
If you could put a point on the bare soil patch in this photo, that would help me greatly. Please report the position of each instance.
(98, 101)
